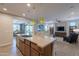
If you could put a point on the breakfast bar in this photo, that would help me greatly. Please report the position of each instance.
(35, 45)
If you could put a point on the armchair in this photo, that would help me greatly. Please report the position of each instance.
(72, 38)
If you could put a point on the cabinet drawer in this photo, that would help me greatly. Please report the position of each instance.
(27, 42)
(34, 46)
(34, 52)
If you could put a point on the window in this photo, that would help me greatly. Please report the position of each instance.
(28, 29)
(72, 23)
(16, 27)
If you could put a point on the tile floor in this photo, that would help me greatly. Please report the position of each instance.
(63, 48)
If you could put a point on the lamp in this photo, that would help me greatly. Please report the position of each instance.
(42, 20)
(33, 21)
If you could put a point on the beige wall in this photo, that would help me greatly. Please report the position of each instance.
(5, 29)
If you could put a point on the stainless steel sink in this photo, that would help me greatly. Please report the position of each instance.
(26, 35)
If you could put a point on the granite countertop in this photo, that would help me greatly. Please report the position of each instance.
(41, 41)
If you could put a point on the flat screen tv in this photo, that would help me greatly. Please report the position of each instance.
(60, 28)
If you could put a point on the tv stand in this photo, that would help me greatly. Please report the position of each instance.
(60, 33)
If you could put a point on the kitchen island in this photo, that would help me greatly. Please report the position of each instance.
(35, 46)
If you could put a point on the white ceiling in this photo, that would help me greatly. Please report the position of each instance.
(50, 11)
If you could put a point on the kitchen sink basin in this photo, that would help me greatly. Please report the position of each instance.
(26, 35)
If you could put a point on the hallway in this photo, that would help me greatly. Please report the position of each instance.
(10, 50)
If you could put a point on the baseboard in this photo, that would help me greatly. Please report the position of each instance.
(5, 44)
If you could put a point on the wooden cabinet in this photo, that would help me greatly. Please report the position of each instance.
(46, 51)
(34, 46)
(27, 42)
(17, 41)
(21, 46)
(34, 49)
(60, 34)
(29, 48)
(34, 52)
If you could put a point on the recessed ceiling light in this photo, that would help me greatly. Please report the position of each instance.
(23, 14)
(72, 13)
(5, 9)
(28, 4)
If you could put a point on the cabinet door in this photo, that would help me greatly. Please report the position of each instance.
(27, 50)
(34, 52)
(17, 42)
(21, 46)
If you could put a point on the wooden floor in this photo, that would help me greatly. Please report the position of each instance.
(10, 50)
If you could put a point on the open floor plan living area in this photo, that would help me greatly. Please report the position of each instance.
(39, 29)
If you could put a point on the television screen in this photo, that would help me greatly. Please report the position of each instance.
(60, 28)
